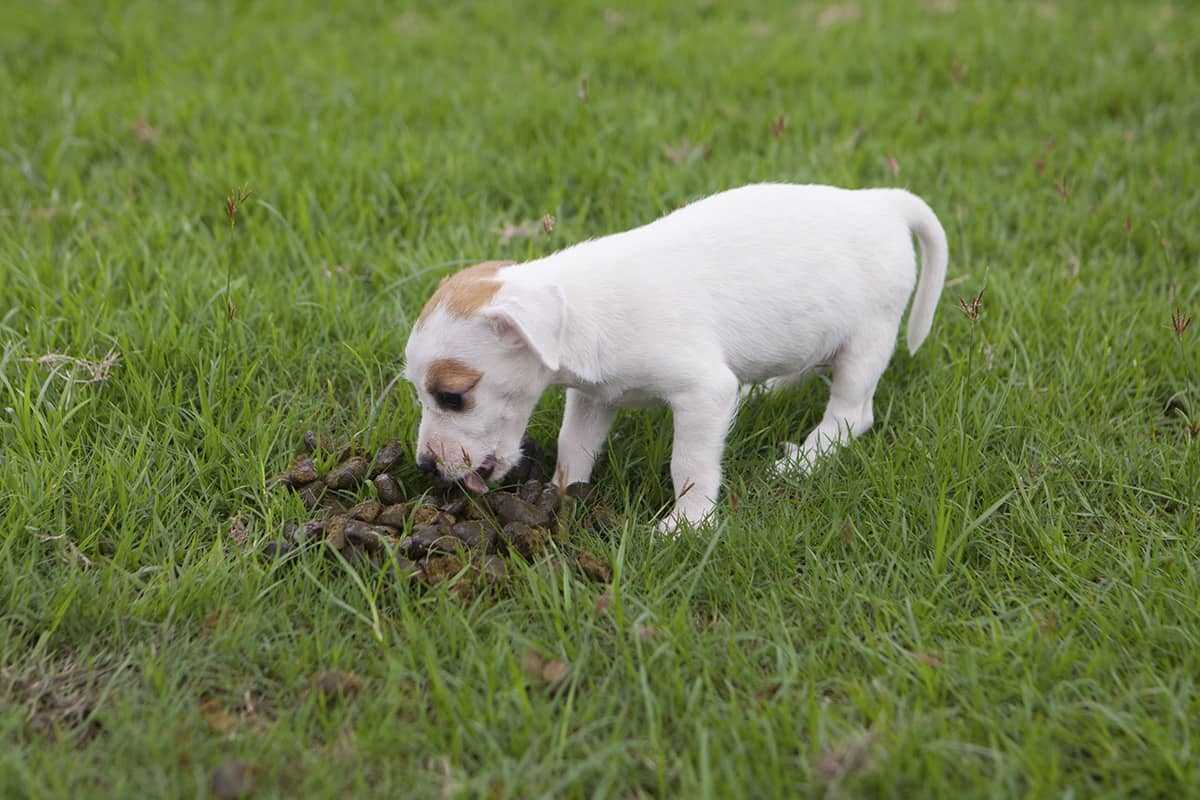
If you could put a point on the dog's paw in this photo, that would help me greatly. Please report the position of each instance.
(794, 464)
(683, 519)
(669, 527)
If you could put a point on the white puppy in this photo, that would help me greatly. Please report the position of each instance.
(758, 283)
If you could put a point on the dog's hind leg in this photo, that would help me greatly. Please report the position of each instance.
(586, 423)
(857, 368)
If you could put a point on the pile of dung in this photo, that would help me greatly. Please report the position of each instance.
(443, 533)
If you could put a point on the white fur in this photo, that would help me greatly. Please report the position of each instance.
(746, 286)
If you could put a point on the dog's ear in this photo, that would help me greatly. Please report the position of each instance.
(533, 317)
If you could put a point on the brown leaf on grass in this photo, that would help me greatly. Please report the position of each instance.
(848, 531)
(838, 13)
(239, 531)
(143, 131)
(846, 758)
(893, 165)
(532, 662)
(613, 18)
(594, 567)
(219, 720)
(80, 370)
(330, 270)
(685, 152)
(213, 620)
(768, 692)
(555, 672)
(551, 673)
(336, 684)
(548, 222)
(582, 91)
(928, 659)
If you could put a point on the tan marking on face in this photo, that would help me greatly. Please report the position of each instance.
(450, 375)
(466, 291)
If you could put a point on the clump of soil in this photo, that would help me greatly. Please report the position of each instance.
(439, 534)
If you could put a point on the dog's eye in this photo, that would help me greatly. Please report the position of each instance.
(449, 401)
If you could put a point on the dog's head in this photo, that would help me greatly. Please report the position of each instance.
(480, 355)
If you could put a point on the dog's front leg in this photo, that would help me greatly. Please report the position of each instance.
(586, 423)
(702, 416)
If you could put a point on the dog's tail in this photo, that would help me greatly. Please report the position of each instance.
(934, 256)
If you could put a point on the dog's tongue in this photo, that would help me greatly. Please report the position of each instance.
(475, 483)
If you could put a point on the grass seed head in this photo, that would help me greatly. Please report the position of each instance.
(233, 201)
(971, 308)
(1180, 323)
(778, 126)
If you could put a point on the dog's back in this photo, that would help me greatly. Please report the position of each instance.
(774, 276)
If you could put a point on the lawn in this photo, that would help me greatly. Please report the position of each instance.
(994, 593)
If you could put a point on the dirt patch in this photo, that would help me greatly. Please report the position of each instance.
(60, 696)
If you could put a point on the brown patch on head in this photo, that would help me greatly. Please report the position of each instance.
(450, 375)
(466, 291)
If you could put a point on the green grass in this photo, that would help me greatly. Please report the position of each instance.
(996, 592)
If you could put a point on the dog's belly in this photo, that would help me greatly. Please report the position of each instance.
(790, 372)
(758, 350)
(620, 397)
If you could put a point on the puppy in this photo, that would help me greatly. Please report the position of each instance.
(755, 285)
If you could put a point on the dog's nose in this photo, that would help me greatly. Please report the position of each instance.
(427, 464)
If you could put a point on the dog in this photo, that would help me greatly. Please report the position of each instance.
(755, 285)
